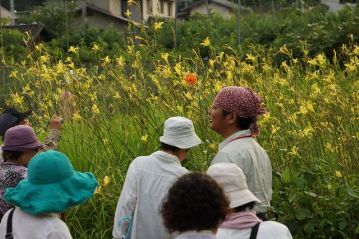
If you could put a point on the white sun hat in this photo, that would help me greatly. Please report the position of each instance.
(233, 181)
(179, 132)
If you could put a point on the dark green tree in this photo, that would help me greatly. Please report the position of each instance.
(22, 5)
(56, 15)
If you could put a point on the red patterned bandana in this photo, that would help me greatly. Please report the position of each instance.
(243, 101)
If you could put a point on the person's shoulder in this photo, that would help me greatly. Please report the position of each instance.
(141, 159)
(224, 233)
(272, 226)
(238, 145)
(17, 171)
(57, 229)
(22, 171)
(54, 224)
(232, 151)
(20, 168)
(141, 162)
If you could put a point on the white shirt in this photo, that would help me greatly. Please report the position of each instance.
(196, 235)
(267, 230)
(147, 182)
(247, 154)
(25, 226)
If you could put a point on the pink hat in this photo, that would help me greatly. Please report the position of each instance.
(243, 101)
(20, 138)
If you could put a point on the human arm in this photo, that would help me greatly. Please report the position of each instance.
(53, 138)
(126, 203)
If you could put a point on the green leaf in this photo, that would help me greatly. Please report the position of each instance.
(352, 193)
(342, 225)
(286, 175)
(302, 214)
(314, 195)
(301, 183)
(357, 230)
(309, 227)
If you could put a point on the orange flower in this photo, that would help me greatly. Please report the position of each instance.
(191, 78)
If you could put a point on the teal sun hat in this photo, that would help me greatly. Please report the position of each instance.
(52, 185)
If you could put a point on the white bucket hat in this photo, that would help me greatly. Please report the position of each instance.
(179, 132)
(231, 178)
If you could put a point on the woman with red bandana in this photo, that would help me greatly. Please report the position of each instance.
(234, 116)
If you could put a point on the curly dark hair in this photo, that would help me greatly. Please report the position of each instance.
(194, 202)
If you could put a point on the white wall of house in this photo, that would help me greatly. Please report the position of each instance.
(335, 5)
(97, 20)
(213, 8)
(158, 8)
(115, 6)
(103, 4)
(4, 13)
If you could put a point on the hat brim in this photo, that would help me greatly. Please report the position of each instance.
(182, 142)
(52, 198)
(35, 145)
(240, 198)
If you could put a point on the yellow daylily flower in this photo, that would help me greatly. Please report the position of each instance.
(105, 181)
(73, 49)
(128, 13)
(157, 25)
(95, 47)
(206, 42)
(144, 138)
(251, 57)
(338, 174)
(95, 109)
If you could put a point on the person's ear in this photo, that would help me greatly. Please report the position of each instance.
(231, 118)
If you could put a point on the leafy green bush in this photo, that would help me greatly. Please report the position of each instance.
(12, 45)
(319, 30)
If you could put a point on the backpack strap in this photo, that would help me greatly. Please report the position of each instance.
(254, 231)
(9, 234)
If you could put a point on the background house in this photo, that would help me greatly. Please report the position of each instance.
(224, 8)
(335, 5)
(140, 10)
(158, 8)
(4, 13)
(22, 5)
(96, 17)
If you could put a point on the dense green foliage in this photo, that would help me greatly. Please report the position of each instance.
(319, 30)
(304, 64)
(56, 15)
(23, 5)
(315, 29)
(13, 45)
